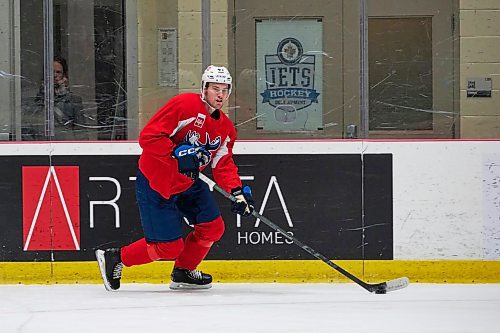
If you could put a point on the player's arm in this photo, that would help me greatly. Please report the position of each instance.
(225, 173)
(224, 169)
(155, 136)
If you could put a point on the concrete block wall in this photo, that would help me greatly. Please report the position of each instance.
(185, 15)
(190, 41)
(190, 45)
(219, 30)
(151, 15)
(480, 57)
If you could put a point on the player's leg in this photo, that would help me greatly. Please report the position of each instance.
(200, 207)
(161, 223)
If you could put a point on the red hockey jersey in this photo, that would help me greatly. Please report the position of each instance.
(185, 118)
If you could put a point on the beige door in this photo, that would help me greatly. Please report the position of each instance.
(411, 68)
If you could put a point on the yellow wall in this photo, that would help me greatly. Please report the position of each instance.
(285, 271)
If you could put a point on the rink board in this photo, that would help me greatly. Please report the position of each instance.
(376, 206)
(281, 271)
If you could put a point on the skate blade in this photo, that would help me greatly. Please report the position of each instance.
(188, 286)
(99, 254)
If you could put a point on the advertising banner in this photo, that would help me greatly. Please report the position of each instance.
(63, 207)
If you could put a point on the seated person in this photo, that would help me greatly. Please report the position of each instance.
(69, 118)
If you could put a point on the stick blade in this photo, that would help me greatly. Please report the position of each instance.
(397, 284)
(392, 285)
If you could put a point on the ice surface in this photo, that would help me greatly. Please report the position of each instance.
(421, 308)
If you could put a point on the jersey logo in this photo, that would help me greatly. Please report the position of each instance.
(210, 146)
(200, 120)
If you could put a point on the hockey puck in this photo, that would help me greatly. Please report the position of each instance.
(380, 291)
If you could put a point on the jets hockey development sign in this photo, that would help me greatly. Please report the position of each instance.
(289, 82)
(61, 208)
(290, 70)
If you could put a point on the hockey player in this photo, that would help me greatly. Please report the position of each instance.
(181, 139)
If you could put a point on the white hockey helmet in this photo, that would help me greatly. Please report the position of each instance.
(216, 74)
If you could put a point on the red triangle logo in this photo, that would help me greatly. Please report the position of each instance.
(51, 208)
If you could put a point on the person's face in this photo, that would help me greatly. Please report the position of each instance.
(216, 94)
(58, 72)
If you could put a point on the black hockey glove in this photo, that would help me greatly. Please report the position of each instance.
(244, 204)
(188, 159)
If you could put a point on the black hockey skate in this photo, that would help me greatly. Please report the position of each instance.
(186, 279)
(111, 266)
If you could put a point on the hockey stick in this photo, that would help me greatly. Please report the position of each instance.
(378, 288)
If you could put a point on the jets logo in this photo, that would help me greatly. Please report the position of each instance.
(289, 51)
(290, 76)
